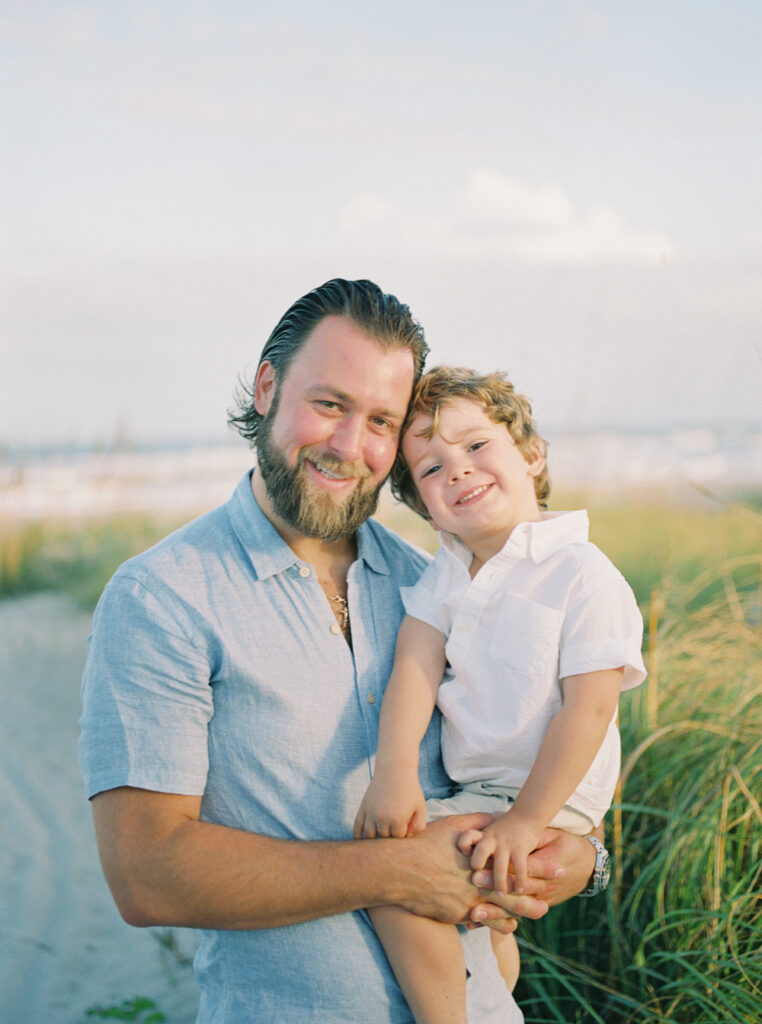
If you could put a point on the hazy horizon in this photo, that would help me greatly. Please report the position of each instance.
(565, 191)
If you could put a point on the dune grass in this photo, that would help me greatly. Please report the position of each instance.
(77, 557)
(678, 935)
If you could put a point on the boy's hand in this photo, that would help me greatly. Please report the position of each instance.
(508, 841)
(393, 807)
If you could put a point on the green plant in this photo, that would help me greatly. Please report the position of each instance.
(139, 1009)
(678, 936)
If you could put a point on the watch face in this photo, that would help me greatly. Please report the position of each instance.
(605, 873)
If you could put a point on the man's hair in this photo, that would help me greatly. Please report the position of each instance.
(382, 317)
(501, 403)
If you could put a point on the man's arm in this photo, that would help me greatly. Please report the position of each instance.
(166, 867)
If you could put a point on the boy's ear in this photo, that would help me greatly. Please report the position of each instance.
(536, 458)
(264, 387)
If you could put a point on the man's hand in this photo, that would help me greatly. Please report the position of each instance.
(393, 807)
(445, 889)
(507, 841)
(559, 868)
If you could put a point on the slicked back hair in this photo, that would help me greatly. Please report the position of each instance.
(377, 314)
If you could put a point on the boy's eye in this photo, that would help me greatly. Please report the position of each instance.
(476, 446)
(430, 470)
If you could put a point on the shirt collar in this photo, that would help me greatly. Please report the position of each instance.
(536, 540)
(268, 552)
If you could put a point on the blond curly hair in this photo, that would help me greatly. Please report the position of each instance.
(501, 403)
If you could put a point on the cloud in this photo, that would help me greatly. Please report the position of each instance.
(495, 216)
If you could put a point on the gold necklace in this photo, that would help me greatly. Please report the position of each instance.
(343, 610)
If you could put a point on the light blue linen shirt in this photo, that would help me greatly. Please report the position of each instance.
(214, 668)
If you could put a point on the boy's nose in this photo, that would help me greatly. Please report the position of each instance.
(458, 472)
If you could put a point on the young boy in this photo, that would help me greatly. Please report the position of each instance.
(523, 633)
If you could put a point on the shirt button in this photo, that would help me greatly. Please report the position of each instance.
(304, 572)
(335, 628)
(371, 699)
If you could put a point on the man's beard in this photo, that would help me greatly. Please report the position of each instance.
(299, 503)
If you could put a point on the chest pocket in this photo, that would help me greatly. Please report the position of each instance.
(526, 636)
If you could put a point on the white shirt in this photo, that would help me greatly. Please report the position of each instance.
(548, 605)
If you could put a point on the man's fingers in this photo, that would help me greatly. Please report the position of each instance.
(511, 905)
(502, 925)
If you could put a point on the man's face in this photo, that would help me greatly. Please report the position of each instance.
(331, 426)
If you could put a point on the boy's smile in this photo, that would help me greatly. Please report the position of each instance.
(472, 476)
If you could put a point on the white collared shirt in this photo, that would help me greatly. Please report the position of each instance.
(548, 605)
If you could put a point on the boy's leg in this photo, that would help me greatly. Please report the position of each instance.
(428, 963)
(506, 951)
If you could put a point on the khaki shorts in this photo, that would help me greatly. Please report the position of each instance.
(483, 796)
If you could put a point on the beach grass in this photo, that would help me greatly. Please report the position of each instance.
(75, 556)
(678, 934)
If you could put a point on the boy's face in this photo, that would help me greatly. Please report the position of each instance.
(472, 476)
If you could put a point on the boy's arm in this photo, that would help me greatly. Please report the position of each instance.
(571, 742)
(394, 802)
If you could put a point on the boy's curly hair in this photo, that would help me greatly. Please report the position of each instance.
(500, 401)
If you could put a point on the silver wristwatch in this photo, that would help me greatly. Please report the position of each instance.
(602, 870)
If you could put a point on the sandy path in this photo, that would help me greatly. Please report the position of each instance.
(63, 946)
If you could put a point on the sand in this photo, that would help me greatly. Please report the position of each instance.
(63, 946)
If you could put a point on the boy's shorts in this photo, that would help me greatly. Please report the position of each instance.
(484, 796)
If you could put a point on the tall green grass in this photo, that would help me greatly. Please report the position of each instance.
(678, 935)
(77, 557)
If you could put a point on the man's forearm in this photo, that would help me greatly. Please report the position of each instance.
(165, 867)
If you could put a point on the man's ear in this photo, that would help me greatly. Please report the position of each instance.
(536, 460)
(264, 387)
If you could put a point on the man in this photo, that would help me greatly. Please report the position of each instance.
(231, 698)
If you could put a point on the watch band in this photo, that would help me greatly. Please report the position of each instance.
(599, 879)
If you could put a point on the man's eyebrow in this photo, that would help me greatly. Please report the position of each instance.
(343, 396)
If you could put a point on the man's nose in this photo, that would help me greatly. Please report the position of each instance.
(347, 439)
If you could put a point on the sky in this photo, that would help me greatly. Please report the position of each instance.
(569, 191)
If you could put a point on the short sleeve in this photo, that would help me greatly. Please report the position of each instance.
(146, 694)
(425, 600)
(603, 628)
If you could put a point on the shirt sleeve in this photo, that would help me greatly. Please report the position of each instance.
(424, 600)
(146, 695)
(603, 628)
